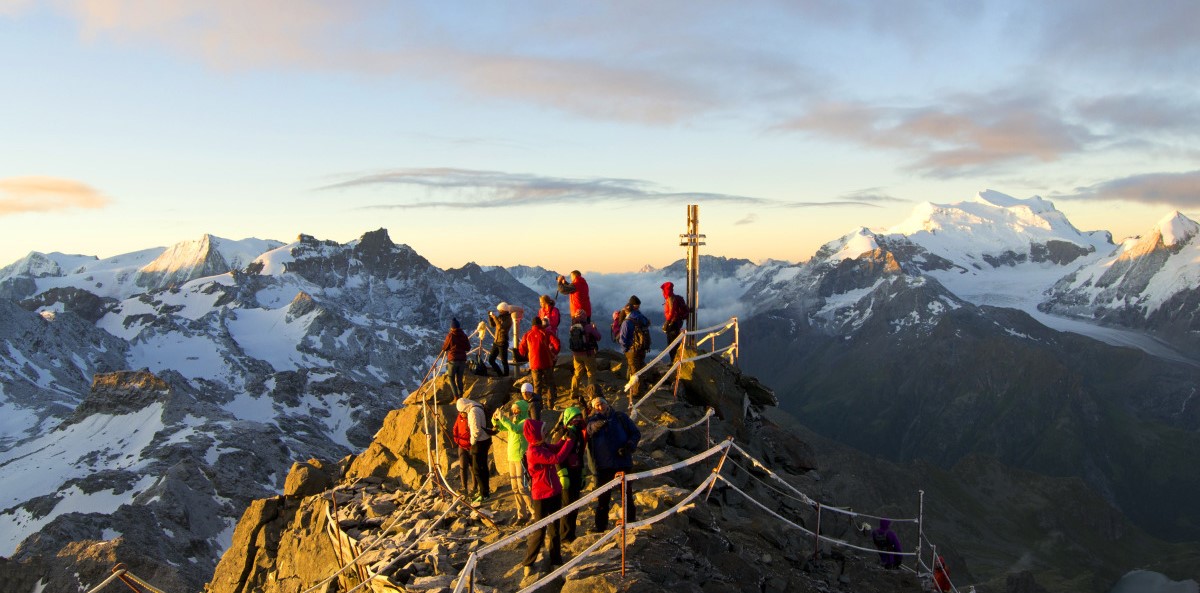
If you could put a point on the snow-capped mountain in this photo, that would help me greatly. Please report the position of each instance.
(1150, 282)
(298, 351)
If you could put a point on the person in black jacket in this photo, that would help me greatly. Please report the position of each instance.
(501, 328)
(612, 437)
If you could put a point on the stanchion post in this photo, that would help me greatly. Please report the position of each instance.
(737, 342)
(624, 520)
(817, 534)
(337, 543)
(717, 470)
(920, 526)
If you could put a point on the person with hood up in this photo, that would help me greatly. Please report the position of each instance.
(501, 328)
(570, 471)
(549, 314)
(542, 349)
(456, 346)
(542, 459)
(478, 442)
(888, 544)
(612, 437)
(512, 420)
(675, 313)
(635, 340)
(581, 300)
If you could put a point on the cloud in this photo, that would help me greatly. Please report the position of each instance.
(1181, 190)
(1129, 34)
(966, 134)
(1176, 113)
(747, 219)
(466, 188)
(874, 195)
(46, 194)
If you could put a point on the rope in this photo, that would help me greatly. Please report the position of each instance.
(106, 582)
(808, 499)
(614, 531)
(707, 415)
(806, 531)
(410, 546)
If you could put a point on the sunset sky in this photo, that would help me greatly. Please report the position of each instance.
(572, 135)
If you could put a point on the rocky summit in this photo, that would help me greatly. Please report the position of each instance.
(380, 522)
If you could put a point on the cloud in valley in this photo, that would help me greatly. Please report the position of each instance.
(1180, 190)
(46, 194)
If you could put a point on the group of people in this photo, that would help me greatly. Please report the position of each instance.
(546, 467)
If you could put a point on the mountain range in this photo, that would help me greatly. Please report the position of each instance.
(154, 394)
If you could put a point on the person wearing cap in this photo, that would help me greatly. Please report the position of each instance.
(577, 288)
(635, 349)
(541, 347)
(529, 395)
(675, 312)
(456, 346)
(501, 328)
(570, 471)
(612, 437)
(478, 443)
(542, 459)
(512, 420)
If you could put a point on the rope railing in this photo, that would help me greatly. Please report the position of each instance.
(711, 334)
(119, 572)
(521, 535)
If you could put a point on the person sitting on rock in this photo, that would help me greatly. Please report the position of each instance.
(456, 347)
(542, 349)
(542, 459)
(478, 443)
(888, 544)
(512, 420)
(612, 437)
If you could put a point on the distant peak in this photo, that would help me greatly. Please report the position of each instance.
(376, 239)
(1176, 228)
(1002, 200)
(647, 269)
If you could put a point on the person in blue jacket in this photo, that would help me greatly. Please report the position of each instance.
(635, 340)
(612, 437)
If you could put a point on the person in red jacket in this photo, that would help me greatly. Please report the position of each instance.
(541, 347)
(542, 459)
(675, 313)
(578, 289)
(456, 347)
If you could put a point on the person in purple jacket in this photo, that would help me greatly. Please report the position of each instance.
(888, 544)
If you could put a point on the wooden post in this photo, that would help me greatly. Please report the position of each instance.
(692, 240)
(624, 517)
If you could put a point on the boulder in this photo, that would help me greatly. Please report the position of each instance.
(307, 478)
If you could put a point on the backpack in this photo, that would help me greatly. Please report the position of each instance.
(462, 431)
(679, 307)
(641, 336)
(580, 340)
(618, 319)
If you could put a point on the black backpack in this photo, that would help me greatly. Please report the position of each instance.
(579, 340)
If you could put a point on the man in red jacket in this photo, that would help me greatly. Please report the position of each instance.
(541, 348)
(578, 289)
(542, 459)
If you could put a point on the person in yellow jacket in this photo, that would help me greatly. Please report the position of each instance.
(512, 420)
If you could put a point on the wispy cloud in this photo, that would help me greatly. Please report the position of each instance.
(968, 134)
(466, 188)
(46, 194)
(1180, 190)
(1127, 34)
(873, 195)
(747, 219)
(1173, 114)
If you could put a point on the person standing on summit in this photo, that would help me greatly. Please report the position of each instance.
(542, 349)
(577, 288)
(456, 347)
(501, 327)
(634, 340)
(549, 314)
(675, 312)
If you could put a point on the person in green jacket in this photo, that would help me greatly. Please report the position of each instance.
(512, 420)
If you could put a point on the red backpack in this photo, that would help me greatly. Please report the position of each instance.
(462, 431)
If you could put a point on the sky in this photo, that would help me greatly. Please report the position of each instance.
(572, 135)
